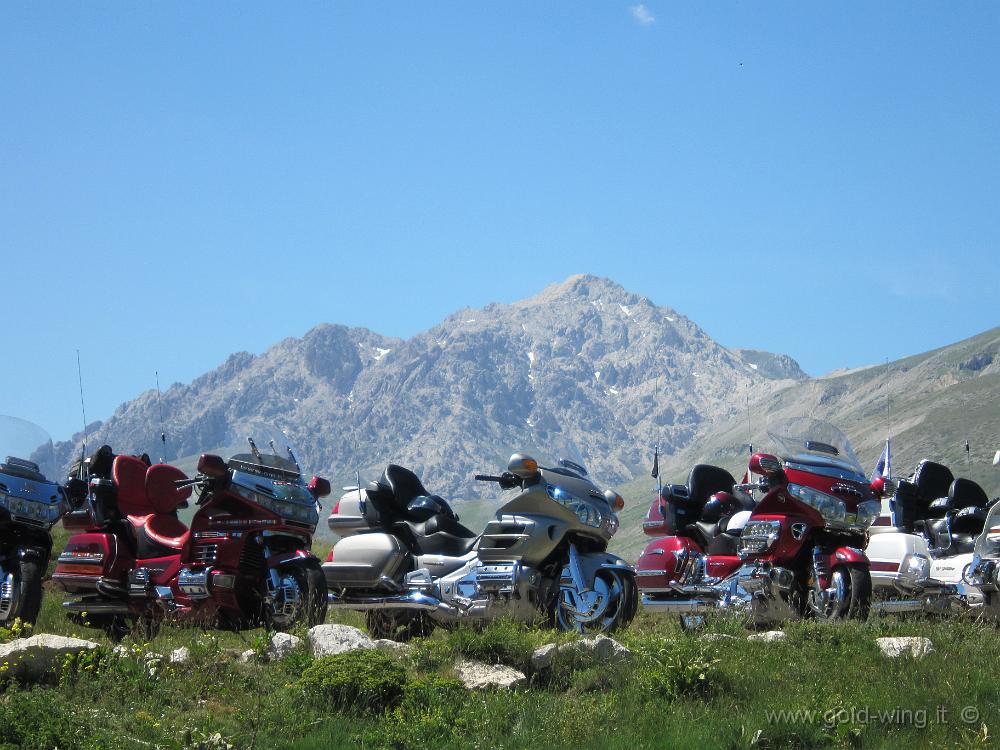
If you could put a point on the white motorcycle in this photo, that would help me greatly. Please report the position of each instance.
(921, 554)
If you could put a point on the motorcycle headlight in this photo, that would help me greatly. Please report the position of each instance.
(832, 509)
(586, 512)
(758, 536)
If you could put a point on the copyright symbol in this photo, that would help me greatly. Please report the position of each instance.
(970, 714)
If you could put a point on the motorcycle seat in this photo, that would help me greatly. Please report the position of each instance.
(442, 535)
(964, 493)
(129, 475)
(705, 480)
(939, 508)
(932, 479)
(164, 533)
(395, 490)
(970, 520)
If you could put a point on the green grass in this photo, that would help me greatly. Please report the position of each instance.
(679, 690)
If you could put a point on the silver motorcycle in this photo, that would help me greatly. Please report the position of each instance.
(406, 561)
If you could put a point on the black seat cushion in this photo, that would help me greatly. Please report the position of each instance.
(442, 535)
(964, 493)
(932, 480)
(394, 490)
(939, 508)
(705, 480)
(969, 521)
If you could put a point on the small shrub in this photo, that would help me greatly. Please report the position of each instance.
(674, 669)
(364, 680)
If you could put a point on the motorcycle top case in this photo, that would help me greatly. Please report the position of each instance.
(362, 560)
(352, 514)
(659, 563)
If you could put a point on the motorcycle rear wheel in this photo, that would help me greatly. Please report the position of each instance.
(621, 597)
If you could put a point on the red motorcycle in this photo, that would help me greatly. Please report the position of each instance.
(244, 562)
(797, 551)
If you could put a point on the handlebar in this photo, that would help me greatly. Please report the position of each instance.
(487, 478)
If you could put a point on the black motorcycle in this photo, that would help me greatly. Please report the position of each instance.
(30, 505)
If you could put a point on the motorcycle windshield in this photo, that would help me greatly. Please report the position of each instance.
(814, 443)
(988, 543)
(265, 471)
(26, 448)
(26, 493)
(562, 455)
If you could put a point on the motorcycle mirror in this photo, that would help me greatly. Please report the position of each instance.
(319, 487)
(765, 463)
(523, 466)
(212, 466)
(616, 501)
(878, 487)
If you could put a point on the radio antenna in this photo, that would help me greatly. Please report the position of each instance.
(163, 434)
(83, 409)
(749, 438)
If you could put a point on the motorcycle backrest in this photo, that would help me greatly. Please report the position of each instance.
(964, 493)
(161, 490)
(705, 480)
(404, 485)
(129, 476)
(933, 480)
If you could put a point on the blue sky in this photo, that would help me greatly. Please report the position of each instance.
(179, 181)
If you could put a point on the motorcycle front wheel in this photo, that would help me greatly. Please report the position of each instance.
(611, 604)
(851, 594)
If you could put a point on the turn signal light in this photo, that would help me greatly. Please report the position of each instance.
(616, 501)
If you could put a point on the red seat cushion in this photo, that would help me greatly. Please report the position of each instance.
(168, 530)
(163, 495)
(129, 475)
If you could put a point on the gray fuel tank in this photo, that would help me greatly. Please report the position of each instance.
(364, 560)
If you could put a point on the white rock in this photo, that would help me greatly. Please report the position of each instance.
(769, 637)
(584, 652)
(328, 640)
(384, 644)
(180, 655)
(247, 656)
(281, 645)
(151, 657)
(28, 659)
(476, 675)
(914, 646)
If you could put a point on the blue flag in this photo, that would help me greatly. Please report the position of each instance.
(884, 466)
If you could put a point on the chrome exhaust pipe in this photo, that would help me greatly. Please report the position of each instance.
(895, 606)
(413, 600)
(679, 606)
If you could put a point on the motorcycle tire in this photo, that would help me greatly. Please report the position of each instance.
(316, 601)
(28, 584)
(856, 584)
(623, 601)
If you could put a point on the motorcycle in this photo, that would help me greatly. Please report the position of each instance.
(30, 505)
(245, 561)
(406, 561)
(797, 552)
(983, 571)
(921, 559)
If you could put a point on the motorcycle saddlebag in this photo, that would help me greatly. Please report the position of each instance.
(363, 560)
(662, 561)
